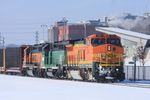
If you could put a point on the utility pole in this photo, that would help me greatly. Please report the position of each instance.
(0, 38)
(43, 27)
(3, 41)
(134, 59)
(37, 37)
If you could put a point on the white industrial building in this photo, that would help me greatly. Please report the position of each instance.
(131, 41)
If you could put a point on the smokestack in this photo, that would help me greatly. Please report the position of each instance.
(106, 21)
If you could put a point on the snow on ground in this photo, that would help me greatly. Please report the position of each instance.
(27, 88)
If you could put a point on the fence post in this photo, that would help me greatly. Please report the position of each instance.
(127, 72)
(144, 73)
(134, 59)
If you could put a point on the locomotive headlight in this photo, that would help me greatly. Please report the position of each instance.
(103, 56)
(42, 58)
(109, 48)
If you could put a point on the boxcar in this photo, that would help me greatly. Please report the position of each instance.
(1, 57)
(14, 59)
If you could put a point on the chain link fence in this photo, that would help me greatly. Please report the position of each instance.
(142, 72)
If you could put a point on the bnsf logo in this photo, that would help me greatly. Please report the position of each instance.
(111, 55)
(106, 55)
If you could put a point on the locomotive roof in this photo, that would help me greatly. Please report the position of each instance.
(103, 35)
(112, 30)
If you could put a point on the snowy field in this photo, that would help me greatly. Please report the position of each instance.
(26, 88)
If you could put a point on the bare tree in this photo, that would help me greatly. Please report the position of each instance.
(140, 54)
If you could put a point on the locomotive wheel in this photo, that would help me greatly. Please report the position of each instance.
(84, 73)
(24, 72)
(43, 73)
(57, 73)
(100, 79)
(122, 77)
(36, 72)
(65, 76)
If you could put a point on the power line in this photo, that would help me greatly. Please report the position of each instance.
(43, 27)
(18, 32)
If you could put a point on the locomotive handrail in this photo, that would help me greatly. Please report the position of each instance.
(44, 47)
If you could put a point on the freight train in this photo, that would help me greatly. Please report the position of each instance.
(97, 57)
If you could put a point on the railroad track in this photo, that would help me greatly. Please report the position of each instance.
(138, 85)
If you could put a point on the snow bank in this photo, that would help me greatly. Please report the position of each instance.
(25, 88)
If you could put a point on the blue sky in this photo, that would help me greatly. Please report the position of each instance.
(20, 19)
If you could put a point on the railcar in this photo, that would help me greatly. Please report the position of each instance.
(2, 62)
(36, 59)
(58, 60)
(11, 59)
(99, 57)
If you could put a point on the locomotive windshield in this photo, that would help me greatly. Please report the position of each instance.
(97, 42)
(114, 41)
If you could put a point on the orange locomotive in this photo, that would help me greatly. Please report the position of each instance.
(32, 64)
(99, 57)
